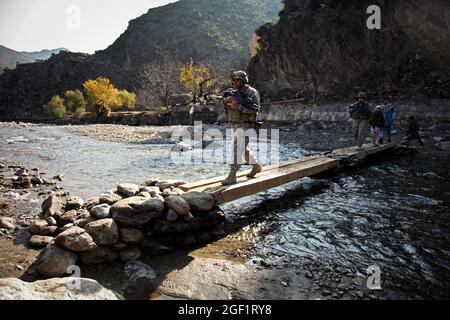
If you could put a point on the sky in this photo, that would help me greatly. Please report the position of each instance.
(77, 25)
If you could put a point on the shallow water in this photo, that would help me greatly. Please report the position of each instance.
(393, 214)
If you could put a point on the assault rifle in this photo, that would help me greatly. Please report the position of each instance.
(242, 99)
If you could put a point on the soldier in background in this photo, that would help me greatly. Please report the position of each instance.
(241, 116)
(360, 114)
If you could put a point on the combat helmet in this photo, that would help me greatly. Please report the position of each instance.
(239, 74)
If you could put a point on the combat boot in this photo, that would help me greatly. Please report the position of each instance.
(257, 168)
(231, 179)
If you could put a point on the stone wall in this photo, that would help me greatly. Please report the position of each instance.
(296, 111)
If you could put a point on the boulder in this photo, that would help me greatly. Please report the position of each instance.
(99, 255)
(128, 189)
(92, 202)
(51, 221)
(48, 231)
(136, 270)
(83, 214)
(188, 217)
(75, 239)
(171, 215)
(51, 205)
(37, 226)
(184, 240)
(200, 202)
(144, 194)
(136, 211)
(74, 203)
(104, 232)
(7, 223)
(54, 261)
(119, 246)
(152, 190)
(68, 217)
(177, 204)
(131, 235)
(168, 184)
(130, 253)
(101, 211)
(110, 198)
(39, 242)
(207, 222)
(55, 289)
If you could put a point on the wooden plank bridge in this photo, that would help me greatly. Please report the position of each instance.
(275, 175)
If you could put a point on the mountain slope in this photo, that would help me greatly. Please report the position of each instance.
(10, 58)
(43, 54)
(212, 32)
(323, 48)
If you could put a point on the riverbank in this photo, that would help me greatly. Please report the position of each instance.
(312, 239)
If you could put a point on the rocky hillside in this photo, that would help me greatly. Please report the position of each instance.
(323, 48)
(213, 32)
(10, 58)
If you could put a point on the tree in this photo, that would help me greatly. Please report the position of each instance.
(102, 96)
(55, 107)
(127, 99)
(158, 81)
(196, 77)
(74, 101)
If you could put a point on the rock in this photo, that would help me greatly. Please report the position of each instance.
(131, 235)
(104, 232)
(136, 211)
(98, 255)
(37, 226)
(68, 217)
(184, 240)
(130, 253)
(119, 246)
(51, 205)
(7, 223)
(36, 180)
(144, 194)
(101, 211)
(48, 231)
(170, 183)
(177, 204)
(443, 146)
(188, 217)
(83, 222)
(110, 198)
(171, 215)
(203, 237)
(54, 262)
(75, 239)
(51, 221)
(153, 247)
(152, 190)
(59, 177)
(438, 139)
(55, 289)
(83, 214)
(74, 203)
(206, 222)
(200, 202)
(128, 189)
(40, 242)
(92, 202)
(136, 270)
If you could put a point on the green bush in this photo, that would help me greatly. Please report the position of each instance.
(55, 107)
(74, 100)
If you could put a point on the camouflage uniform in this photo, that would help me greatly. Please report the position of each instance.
(242, 119)
(360, 113)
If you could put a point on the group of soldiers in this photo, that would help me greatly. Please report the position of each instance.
(242, 104)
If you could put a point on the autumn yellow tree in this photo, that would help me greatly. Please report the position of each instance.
(196, 78)
(127, 99)
(102, 96)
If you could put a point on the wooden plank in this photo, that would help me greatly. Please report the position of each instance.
(242, 174)
(367, 149)
(272, 177)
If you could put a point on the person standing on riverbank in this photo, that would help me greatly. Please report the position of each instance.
(377, 123)
(413, 132)
(241, 116)
(360, 114)
(388, 109)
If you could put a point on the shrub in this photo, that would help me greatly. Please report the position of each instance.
(55, 107)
